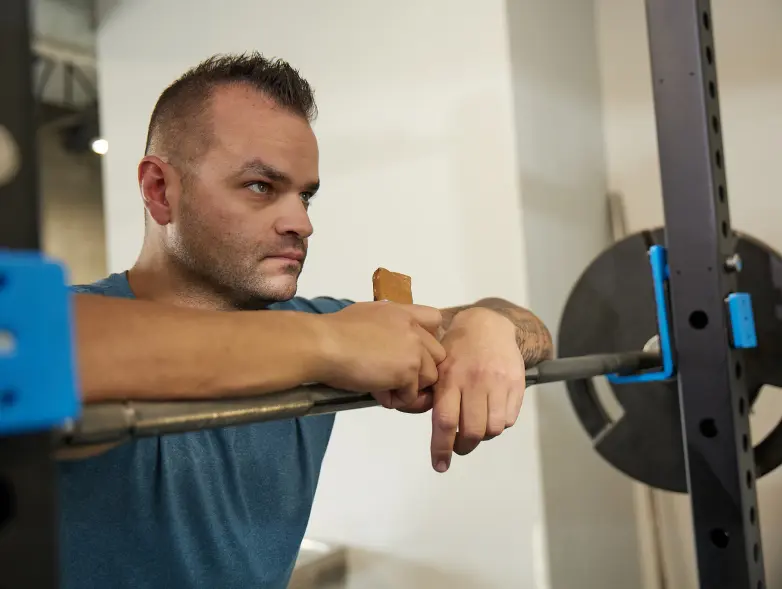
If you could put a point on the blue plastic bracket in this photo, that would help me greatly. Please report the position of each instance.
(38, 384)
(742, 320)
(660, 274)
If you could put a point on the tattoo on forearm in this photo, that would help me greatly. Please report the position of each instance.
(532, 336)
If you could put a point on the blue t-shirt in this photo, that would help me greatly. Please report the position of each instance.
(218, 509)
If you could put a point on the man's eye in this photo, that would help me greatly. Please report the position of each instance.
(259, 187)
(306, 197)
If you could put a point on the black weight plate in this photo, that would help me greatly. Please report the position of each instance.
(611, 309)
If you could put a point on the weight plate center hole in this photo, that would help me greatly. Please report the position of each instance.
(610, 403)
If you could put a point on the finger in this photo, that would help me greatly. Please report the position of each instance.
(445, 421)
(515, 400)
(384, 398)
(472, 421)
(427, 317)
(421, 405)
(497, 411)
(427, 375)
(433, 346)
(405, 395)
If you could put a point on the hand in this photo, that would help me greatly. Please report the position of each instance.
(385, 349)
(481, 384)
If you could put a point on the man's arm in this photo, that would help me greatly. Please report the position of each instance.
(133, 349)
(150, 351)
(141, 350)
(532, 336)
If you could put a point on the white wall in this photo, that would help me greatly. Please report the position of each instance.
(591, 524)
(749, 62)
(419, 175)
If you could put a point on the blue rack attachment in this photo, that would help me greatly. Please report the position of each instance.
(660, 273)
(38, 384)
(739, 310)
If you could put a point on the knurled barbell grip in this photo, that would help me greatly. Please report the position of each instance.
(102, 423)
(580, 367)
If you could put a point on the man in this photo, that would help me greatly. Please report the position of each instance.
(230, 170)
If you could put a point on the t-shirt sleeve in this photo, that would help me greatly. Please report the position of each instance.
(328, 304)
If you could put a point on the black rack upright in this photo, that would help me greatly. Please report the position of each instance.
(28, 514)
(712, 392)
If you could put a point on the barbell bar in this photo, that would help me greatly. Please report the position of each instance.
(112, 422)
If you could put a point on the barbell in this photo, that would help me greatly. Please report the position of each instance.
(111, 422)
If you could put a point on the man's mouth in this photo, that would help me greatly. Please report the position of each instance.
(293, 255)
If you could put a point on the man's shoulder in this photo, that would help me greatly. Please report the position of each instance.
(315, 305)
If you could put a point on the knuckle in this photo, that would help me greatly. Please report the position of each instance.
(446, 421)
(439, 353)
(427, 379)
(474, 375)
(495, 428)
(407, 370)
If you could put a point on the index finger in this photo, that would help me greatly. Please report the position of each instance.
(445, 422)
(429, 318)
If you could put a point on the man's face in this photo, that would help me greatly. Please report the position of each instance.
(241, 223)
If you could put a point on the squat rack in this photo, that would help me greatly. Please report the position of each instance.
(701, 257)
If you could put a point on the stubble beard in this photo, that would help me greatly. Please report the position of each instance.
(215, 268)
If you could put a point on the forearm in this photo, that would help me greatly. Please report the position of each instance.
(128, 349)
(532, 336)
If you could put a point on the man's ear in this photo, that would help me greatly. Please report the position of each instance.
(160, 188)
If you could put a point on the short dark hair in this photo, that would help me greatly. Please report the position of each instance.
(178, 122)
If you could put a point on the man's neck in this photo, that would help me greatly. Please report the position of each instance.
(156, 277)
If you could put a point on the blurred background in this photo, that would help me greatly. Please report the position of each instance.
(472, 145)
(66, 87)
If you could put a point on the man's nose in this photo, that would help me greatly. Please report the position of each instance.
(293, 218)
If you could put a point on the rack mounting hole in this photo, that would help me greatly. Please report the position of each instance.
(699, 319)
(6, 502)
(719, 538)
(709, 428)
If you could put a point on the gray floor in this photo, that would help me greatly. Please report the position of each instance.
(325, 567)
